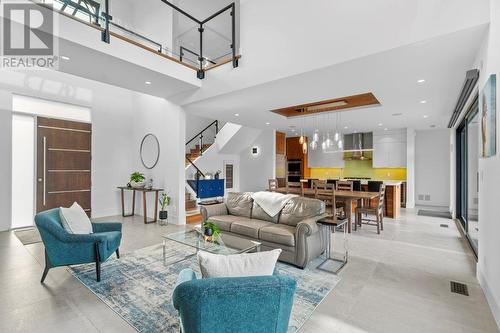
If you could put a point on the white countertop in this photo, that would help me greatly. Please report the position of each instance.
(365, 181)
(386, 182)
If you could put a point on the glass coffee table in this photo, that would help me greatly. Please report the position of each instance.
(225, 244)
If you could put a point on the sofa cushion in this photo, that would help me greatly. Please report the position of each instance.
(279, 233)
(300, 208)
(239, 204)
(249, 227)
(224, 221)
(238, 265)
(259, 214)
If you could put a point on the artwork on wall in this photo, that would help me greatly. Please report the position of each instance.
(487, 111)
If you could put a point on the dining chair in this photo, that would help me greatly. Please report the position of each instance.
(293, 187)
(344, 185)
(377, 211)
(373, 186)
(273, 185)
(356, 185)
(326, 192)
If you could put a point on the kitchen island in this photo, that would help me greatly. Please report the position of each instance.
(392, 200)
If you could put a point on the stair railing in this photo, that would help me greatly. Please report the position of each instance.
(200, 137)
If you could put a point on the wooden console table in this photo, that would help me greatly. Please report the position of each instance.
(144, 191)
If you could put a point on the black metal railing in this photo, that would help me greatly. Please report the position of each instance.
(206, 53)
(202, 59)
(204, 137)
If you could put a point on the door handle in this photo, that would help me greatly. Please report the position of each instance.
(44, 169)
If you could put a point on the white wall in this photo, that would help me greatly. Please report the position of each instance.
(194, 124)
(255, 171)
(5, 158)
(410, 167)
(488, 270)
(167, 122)
(432, 167)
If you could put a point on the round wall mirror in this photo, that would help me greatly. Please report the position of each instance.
(150, 151)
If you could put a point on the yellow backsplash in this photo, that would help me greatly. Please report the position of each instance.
(359, 169)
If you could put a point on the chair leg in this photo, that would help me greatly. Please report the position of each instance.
(378, 224)
(97, 262)
(382, 221)
(118, 253)
(48, 266)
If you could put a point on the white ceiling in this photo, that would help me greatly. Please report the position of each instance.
(391, 75)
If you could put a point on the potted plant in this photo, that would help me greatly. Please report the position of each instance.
(211, 231)
(137, 180)
(164, 203)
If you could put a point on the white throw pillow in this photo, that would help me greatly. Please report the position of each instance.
(237, 265)
(75, 220)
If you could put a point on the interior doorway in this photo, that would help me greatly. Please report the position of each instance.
(23, 170)
(51, 157)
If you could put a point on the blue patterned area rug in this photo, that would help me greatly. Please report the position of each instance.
(139, 286)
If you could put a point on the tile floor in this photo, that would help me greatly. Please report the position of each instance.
(394, 282)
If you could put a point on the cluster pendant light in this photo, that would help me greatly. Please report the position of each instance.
(326, 134)
(329, 129)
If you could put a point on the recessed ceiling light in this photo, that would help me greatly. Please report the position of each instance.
(423, 102)
(148, 82)
(397, 114)
(236, 114)
(385, 129)
(380, 124)
(268, 123)
(426, 116)
(421, 81)
(64, 58)
(345, 127)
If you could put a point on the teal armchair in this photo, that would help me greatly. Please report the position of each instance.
(63, 248)
(233, 305)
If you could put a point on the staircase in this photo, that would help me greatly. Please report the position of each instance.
(193, 214)
(196, 152)
(195, 149)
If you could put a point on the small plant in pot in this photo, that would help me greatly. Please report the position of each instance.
(137, 180)
(164, 203)
(211, 231)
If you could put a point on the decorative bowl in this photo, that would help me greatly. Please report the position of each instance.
(138, 184)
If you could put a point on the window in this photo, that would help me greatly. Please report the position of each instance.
(467, 143)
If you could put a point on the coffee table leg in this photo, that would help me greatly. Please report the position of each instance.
(164, 247)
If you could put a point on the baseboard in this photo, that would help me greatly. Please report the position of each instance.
(495, 309)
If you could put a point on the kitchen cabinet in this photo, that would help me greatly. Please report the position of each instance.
(295, 153)
(389, 149)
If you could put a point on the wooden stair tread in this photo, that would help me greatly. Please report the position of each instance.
(195, 218)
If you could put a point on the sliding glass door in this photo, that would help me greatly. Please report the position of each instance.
(467, 174)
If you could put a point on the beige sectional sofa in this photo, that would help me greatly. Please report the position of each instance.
(294, 229)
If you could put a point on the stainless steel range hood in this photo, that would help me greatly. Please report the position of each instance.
(356, 145)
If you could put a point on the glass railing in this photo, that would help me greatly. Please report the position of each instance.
(160, 27)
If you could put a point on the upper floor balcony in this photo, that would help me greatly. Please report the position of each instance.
(152, 46)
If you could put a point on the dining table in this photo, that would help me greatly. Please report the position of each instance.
(347, 196)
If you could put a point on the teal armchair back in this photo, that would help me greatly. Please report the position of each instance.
(63, 248)
(231, 305)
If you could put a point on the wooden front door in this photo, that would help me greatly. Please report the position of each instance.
(63, 164)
